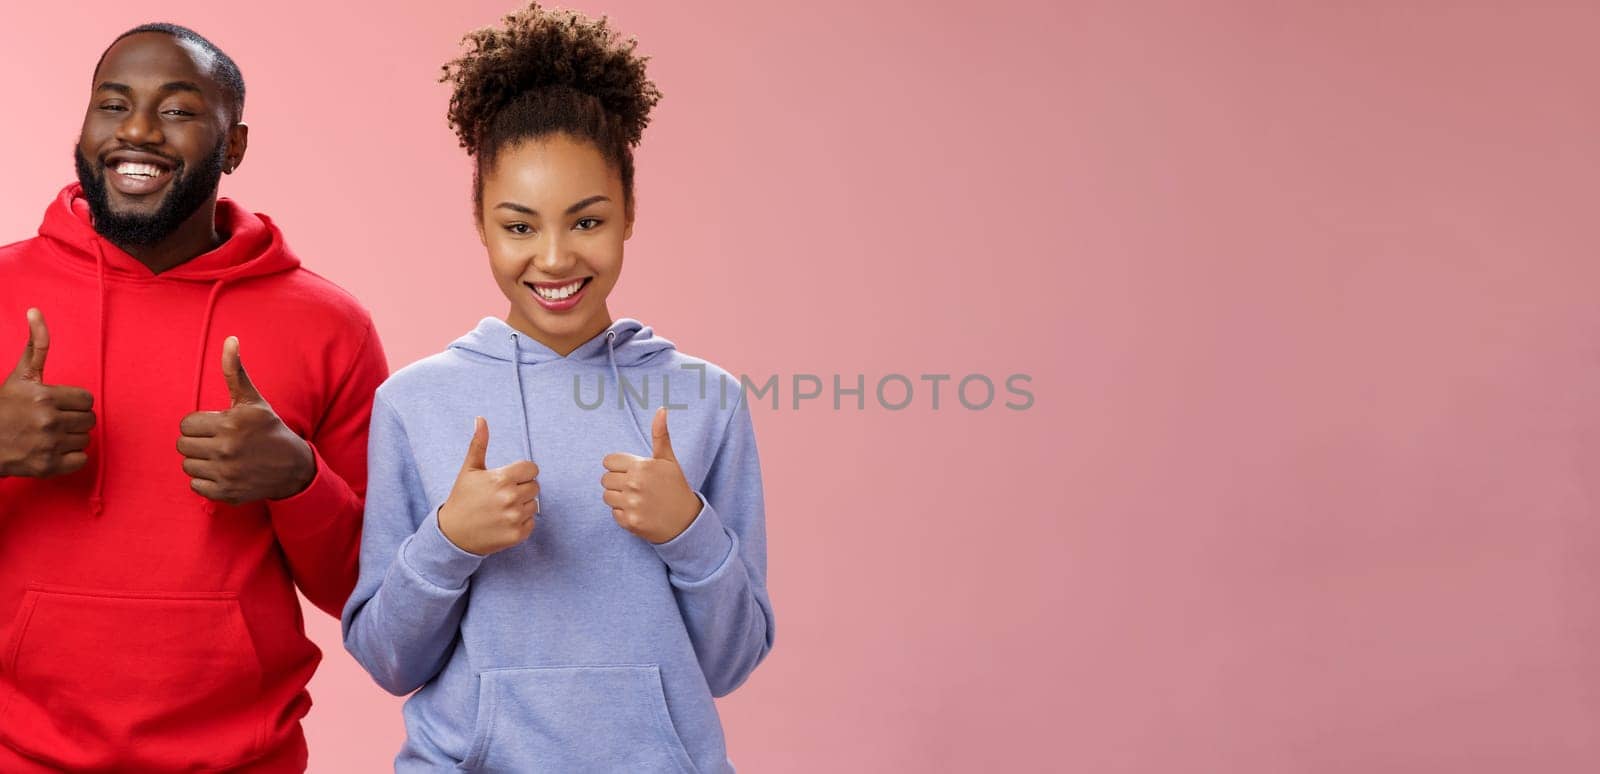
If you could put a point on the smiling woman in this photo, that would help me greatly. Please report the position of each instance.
(553, 175)
(598, 637)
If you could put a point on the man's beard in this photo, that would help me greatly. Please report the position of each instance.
(188, 191)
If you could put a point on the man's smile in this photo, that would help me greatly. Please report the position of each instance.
(136, 173)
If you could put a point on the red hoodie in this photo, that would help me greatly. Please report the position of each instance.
(147, 628)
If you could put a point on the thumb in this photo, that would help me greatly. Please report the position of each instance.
(31, 366)
(239, 385)
(662, 441)
(478, 450)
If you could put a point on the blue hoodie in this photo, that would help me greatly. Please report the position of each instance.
(584, 648)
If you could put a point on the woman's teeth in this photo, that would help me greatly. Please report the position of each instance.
(131, 169)
(556, 294)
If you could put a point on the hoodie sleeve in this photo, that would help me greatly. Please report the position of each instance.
(402, 619)
(320, 528)
(718, 565)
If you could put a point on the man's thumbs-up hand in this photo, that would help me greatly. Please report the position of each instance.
(649, 496)
(489, 510)
(31, 366)
(240, 389)
(246, 453)
(44, 429)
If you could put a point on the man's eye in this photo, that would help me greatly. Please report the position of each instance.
(179, 113)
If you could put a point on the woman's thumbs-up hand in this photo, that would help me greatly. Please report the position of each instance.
(490, 510)
(649, 496)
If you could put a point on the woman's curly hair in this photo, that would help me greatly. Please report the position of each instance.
(544, 72)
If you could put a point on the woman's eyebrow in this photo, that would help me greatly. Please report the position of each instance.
(514, 207)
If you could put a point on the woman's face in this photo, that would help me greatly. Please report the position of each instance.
(553, 221)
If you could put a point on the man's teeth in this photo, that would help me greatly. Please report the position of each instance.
(131, 169)
(556, 294)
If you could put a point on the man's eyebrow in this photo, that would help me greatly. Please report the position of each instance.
(183, 86)
(123, 88)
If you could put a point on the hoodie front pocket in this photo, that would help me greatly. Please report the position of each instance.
(135, 681)
(574, 719)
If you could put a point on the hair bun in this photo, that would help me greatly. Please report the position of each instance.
(538, 49)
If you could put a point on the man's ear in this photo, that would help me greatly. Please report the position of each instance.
(238, 140)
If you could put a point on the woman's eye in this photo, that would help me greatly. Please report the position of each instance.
(519, 228)
(584, 224)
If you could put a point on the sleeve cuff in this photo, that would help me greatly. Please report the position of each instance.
(431, 556)
(319, 505)
(701, 549)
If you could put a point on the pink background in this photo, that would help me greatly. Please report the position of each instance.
(1307, 295)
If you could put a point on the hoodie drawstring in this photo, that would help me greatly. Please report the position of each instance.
(611, 353)
(205, 331)
(97, 499)
(616, 374)
(522, 398)
(211, 506)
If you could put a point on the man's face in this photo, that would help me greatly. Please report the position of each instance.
(155, 139)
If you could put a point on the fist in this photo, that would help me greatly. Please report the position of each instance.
(44, 429)
(246, 453)
(489, 510)
(649, 495)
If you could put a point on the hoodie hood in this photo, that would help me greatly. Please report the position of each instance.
(254, 248)
(627, 342)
